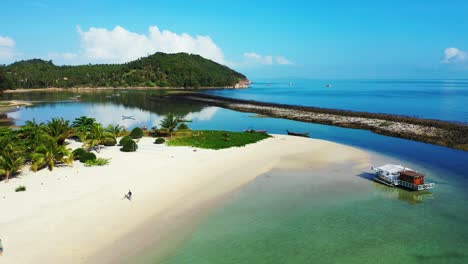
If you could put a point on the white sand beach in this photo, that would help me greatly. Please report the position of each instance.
(78, 214)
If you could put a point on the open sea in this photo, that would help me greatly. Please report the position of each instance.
(434, 99)
(282, 216)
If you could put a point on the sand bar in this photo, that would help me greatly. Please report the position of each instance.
(77, 214)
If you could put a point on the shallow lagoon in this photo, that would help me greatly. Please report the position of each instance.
(276, 219)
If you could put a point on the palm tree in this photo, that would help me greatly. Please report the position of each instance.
(83, 121)
(170, 122)
(31, 133)
(11, 160)
(96, 137)
(115, 130)
(59, 129)
(49, 153)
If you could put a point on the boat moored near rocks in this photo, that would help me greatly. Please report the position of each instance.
(397, 175)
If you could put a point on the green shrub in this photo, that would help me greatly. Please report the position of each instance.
(87, 156)
(136, 133)
(182, 126)
(109, 142)
(20, 188)
(125, 139)
(161, 132)
(77, 153)
(97, 162)
(159, 141)
(129, 146)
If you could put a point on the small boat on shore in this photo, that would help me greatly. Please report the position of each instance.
(255, 131)
(298, 134)
(396, 175)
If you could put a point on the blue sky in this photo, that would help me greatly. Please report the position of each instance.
(262, 39)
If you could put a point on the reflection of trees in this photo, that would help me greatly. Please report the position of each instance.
(5, 121)
(411, 197)
(136, 99)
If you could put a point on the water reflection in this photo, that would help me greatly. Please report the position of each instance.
(107, 107)
(401, 194)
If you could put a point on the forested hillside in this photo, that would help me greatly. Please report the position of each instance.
(160, 69)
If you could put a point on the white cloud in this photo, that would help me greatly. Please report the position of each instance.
(7, 42)
(206, 114)
(282, 60)
(7, 48)
(118, 45)
(454, 55)
(255, 58)
(121, 45)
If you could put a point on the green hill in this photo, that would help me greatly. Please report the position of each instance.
(157, 70)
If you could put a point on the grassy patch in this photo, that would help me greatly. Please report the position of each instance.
(97, 162)
(20, 188)
(216, 139)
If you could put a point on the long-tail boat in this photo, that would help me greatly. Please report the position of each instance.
(298, 134)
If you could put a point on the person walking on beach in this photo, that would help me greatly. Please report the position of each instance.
(128, 195)
(1, 248)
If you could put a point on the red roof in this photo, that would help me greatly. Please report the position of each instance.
(412, 174)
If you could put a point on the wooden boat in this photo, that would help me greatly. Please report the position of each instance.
(397, 175)
(298, 134)
(255, 131)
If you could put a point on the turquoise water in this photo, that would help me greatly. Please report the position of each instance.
(279, 220)
(288, 217)
(436, 99)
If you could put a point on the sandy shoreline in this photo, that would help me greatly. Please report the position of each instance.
(77, 214)
(11, 105)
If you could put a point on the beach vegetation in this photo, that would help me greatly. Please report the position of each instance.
(125, 139)
(11, 160)
(159, 140)
(84, 123)
(136, 133)
(87, 156)
(170, 122)
(59, 129)
(77, 153)
(20, 188)
(96, 137)
(97, 162)
(183, 126)
(129, 146)
(50, 153)
(116, 130)
(210, 139)
(162, 132)
(109, 142)
(31, 134)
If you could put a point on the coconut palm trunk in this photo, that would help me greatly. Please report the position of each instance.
(7, 175)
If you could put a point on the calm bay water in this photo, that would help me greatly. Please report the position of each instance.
(278, 220)
(435, 99)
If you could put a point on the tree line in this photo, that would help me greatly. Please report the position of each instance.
(157, 70)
